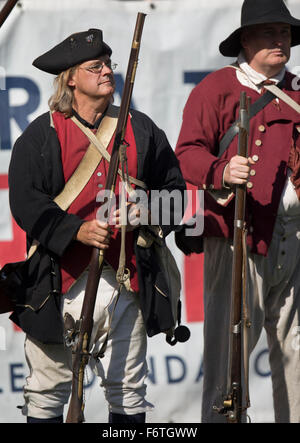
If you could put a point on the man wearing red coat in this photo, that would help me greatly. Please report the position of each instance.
(272, 177)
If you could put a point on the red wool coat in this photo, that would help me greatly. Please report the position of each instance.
(211, 109)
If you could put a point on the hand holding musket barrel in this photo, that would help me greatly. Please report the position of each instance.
(6, 10)
(85, 324)
(233, 402)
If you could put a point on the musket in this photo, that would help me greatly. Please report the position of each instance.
(6, 10)
(233, 407)
(81, 340)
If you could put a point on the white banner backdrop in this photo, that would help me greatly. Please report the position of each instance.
(179, 47)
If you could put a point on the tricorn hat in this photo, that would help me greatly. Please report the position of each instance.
(255, 12)
(77, 48)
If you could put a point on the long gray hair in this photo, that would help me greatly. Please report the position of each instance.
(63, 97)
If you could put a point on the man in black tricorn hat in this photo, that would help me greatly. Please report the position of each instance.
(207, 152)
(44, 159)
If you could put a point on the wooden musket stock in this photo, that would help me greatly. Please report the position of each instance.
(85, 325)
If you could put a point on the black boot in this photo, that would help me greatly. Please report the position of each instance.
(59, 419)
(120, 418)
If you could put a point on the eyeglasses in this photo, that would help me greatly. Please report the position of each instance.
(96, 69)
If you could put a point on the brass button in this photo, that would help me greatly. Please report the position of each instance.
(249, 185)
(252, 172)
(258, 142)
(261, 128)
(255, 158)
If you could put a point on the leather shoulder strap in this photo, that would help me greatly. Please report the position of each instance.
(86, 167)
(84, 170)
(257, 106)
(283, 96)
(109, 121)
(91, 159)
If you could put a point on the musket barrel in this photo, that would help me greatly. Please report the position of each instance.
(80, 354)
(6, 10)
(232, 406)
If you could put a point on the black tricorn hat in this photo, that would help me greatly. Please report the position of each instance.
(76, 49)
(255, 12)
